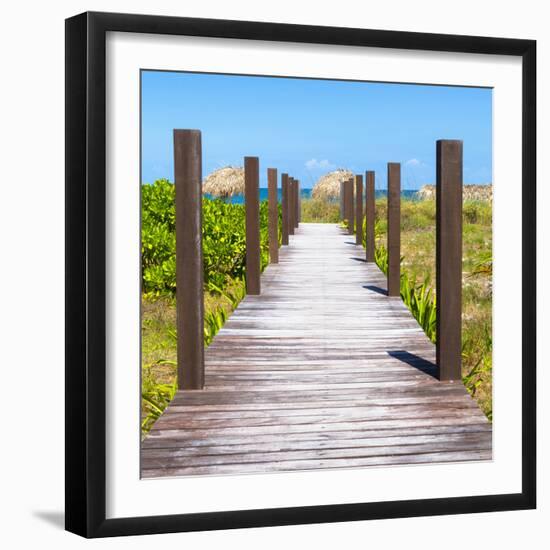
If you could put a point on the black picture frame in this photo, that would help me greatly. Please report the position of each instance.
(86, 284)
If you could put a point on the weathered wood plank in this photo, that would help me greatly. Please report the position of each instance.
(180, 414)
(277, 394)
(362, 425)
(289, 465)
(284, 445)
(366, 409)
(161, 440)
(170, 460)
(363, 419)
(291, 406)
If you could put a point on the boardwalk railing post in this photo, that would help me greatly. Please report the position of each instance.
(189, 260)
(284, 208)
(394, 228)
(449, 259)
(297, 203)
(273, 215)
(291, 206)
(344, 187)
(359, 209)
(350, 209)
(369, 213)
(342, 202)
(252, 207)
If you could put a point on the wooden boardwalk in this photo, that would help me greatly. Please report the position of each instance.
(322, 370)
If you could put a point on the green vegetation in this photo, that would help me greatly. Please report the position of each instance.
(223, 240)
(224, 251)
(418, 272)
(159, 341)
(320, 211)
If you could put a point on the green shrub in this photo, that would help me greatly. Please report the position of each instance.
(223, 240)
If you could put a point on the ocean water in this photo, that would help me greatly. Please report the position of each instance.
(407, 194)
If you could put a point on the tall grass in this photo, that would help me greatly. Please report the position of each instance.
(419, 298)
(320, 211)
(155, 395)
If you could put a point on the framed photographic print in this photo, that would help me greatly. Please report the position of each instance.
(300, 274)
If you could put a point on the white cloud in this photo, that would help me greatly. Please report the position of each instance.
(314, 164)
(413, 162)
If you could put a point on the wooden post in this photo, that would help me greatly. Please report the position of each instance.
(284, 208)
(252, 206)
(291, 206)
(350, 214)
(369, 213)
(297, 203)
(342, 199)
(394, 228)
(189, 261)
(345, 200)
(273, 215)
(449, 259)
(359, 209)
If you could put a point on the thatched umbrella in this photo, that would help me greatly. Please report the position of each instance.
(225, 182)
(328, 186)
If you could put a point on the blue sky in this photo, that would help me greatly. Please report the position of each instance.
(309, 127)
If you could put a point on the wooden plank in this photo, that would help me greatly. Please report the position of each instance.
(364, 409)
(278, 466)
(189, 258)
(480, 438)
(317, 396)
(172, 460)
(338, 402)
(297, 407)
(364, 417)
(296, 387)
(176, 440)
(282, 428)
